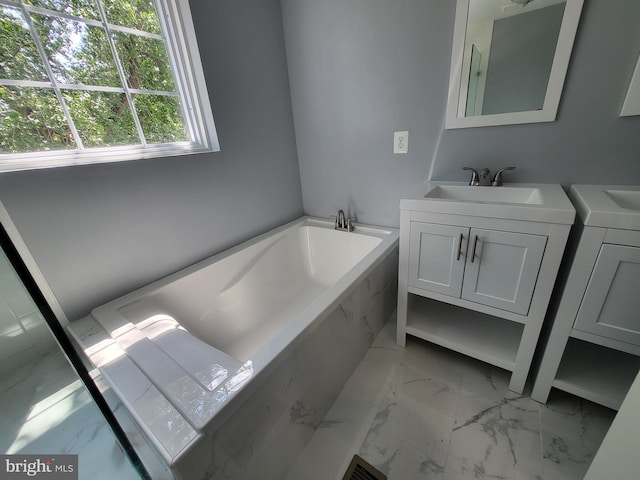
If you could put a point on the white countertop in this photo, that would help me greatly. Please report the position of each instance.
(551, 204)
(608, 206)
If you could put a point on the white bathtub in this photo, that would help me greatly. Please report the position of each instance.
(220, 360)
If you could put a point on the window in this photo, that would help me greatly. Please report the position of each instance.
(85, 81)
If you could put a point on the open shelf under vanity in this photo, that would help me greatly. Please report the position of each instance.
(491, 339)
(597, 373)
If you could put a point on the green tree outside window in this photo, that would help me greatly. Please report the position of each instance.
(107, 79)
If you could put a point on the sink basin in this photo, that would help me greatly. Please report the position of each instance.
(536, 202)
(466, 193)
(625, 198)
(608, 206)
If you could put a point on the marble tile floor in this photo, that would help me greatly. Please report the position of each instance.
(425, 412)
(47, 410)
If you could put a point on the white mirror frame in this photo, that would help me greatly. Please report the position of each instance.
(559, 67)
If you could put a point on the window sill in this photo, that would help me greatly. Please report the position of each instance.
(62, 158)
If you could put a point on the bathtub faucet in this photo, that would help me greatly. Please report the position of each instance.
(342, 223)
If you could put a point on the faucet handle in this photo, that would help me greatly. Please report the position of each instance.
(497, 179)
(484, 177)
(474, 176)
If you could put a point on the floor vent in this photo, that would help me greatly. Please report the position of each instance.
(360, 469)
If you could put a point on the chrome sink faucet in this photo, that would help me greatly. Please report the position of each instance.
(483, 178)
(343, 223)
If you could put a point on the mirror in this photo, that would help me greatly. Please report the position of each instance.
(632, 101)
(509, 60)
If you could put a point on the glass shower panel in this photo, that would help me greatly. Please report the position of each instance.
(46, 408)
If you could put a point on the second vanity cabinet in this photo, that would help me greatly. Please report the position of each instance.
(593, 349)
(477, 279)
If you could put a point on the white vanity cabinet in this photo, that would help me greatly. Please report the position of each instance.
(478, 279)
(490, 267)
(593, 349)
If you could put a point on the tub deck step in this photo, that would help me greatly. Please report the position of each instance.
(162, 423)
(171, 382)
(192, 375)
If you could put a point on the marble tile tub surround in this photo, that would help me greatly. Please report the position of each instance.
(425, 412)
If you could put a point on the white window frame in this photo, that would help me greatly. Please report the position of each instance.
(182, 48)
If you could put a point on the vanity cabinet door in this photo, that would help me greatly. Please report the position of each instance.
(436, 257)
(611, 303)
(502, 269)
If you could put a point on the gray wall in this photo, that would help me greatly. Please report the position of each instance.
(360, 69)
(100, 231)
